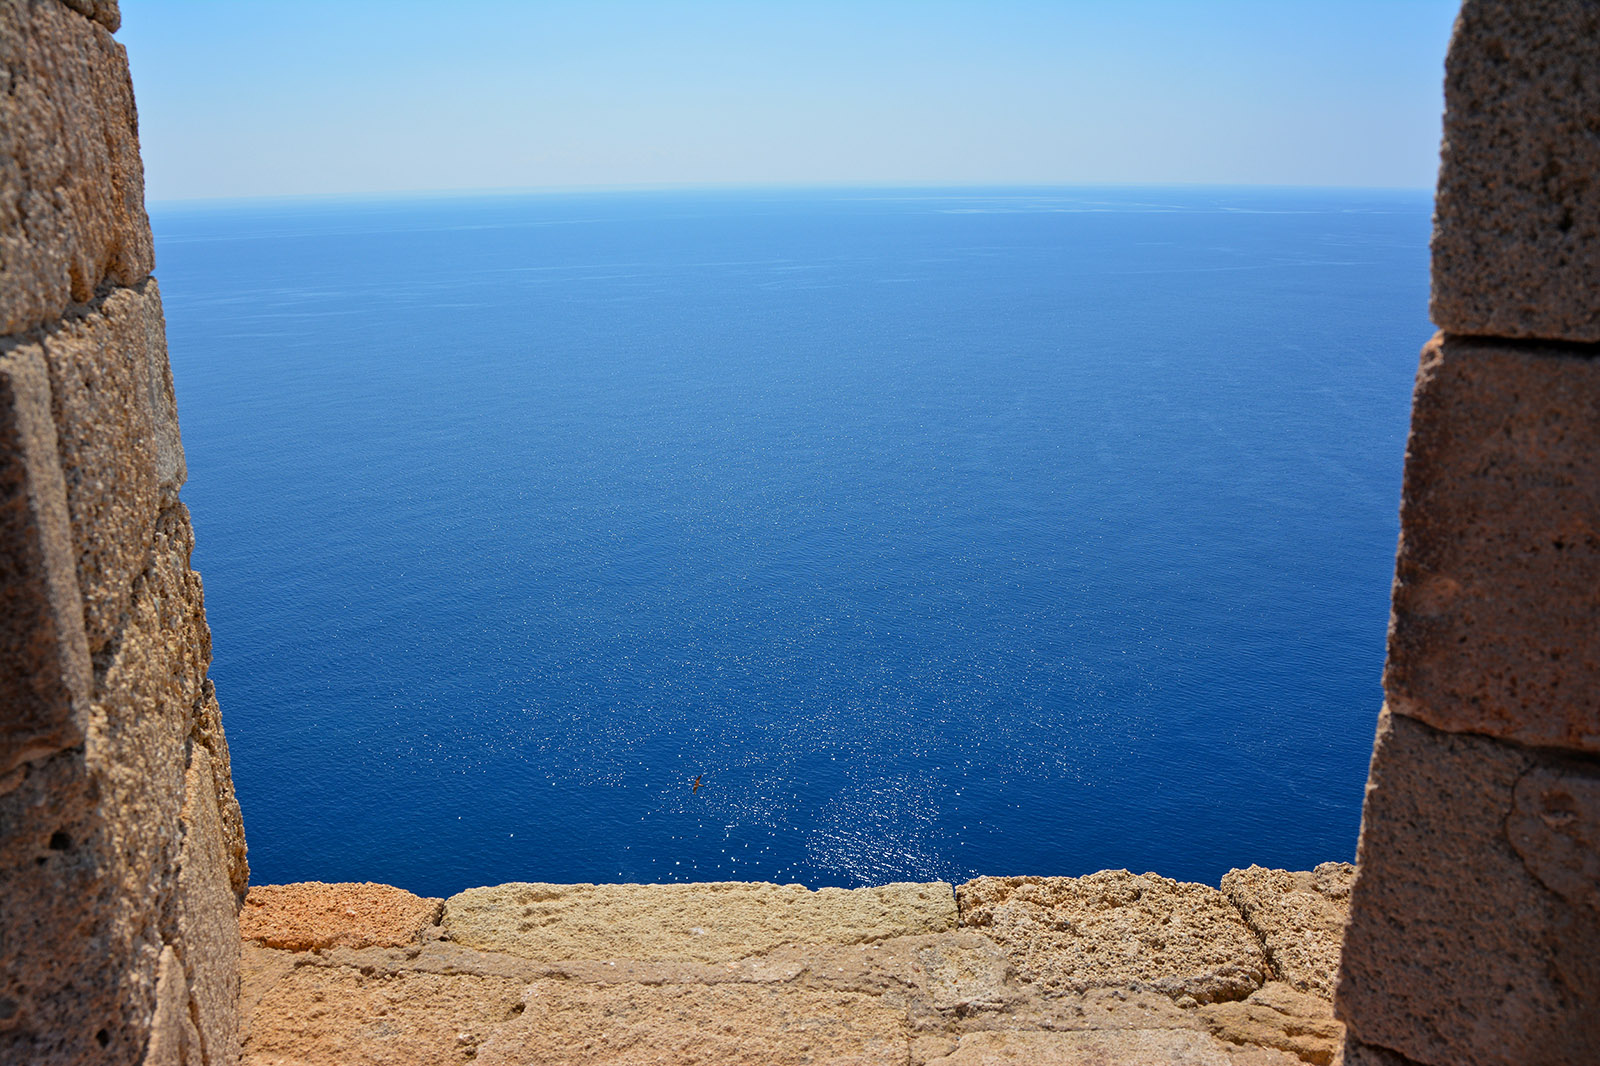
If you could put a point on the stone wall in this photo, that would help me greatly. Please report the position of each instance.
(1474, 932)
(122, 859)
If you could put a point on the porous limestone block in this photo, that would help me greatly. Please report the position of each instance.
(1299, 915)
(90, 838)
(1474, 931)
(71, 183)
(44, 658)
(336, 1016)
(174, 1040)
(208, 733)
(1115, 928)
(1278, 1016)
(208, 917)
(1497, 582)
(735, 1025)
(121, 456)
(143, 714)
(105, 12)
(711, 922)
(56, 944)
(1516, 241)
(1123, 1047)
(311, 916)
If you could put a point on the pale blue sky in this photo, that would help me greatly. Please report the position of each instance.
(383, 96)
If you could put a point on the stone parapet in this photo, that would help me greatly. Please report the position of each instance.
(774, 974)
(1516, 243)
(1496, 608)
(72, 214)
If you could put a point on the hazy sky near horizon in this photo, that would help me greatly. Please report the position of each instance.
(360, 97)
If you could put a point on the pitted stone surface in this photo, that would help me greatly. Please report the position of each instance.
(639, 1025)
(209, 734)
(313, 915)
(105, 12)
(1118, 928)
(1516, 244)
(121, 458)
(44, 657)
(208, 917)
(700, 922)
(1456, 951)
(1125, 1047)
(1299, 915)
(906, 999)
(1495, 602)
(329, 1016)
(71, 184)
(1279, 1017)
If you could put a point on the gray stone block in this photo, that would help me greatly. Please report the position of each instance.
(71, 182)
(1516, 243)
(1469, 938)
(1496, 602)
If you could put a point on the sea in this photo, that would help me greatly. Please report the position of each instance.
(836, 536)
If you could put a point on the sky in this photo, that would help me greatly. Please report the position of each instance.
(361, 97)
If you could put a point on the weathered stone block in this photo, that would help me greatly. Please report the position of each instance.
(1470, 940)
(316, 916)
(208, 916)
(736, 1025)
(1299, 915)
(1278, 1017)
(1125, 1047)
(121, 457)
(64, 968)
(691, 922)
(71, 183)
(44, 658)
(1516, 242)
(209, 734)
(174, 1039)
(1117, 928)
(1497, 583)
(105, 12)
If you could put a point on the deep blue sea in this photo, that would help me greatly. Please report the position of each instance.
(936, 532)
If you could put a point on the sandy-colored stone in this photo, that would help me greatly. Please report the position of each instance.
(1495, 596)
(637, 1025)
(71, 183)
(208, 922)
(1118, 928)
(44, 657)
(1124, 1047)
(121, 457)
(312, 915)
(208, 733)
(333, 1016)
(105, 12)
(1516, 244)
(174, 1040)
(1455, 950)
(689, 922)
(1278, 1016)
(1299, 915)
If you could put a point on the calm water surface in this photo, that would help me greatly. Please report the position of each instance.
(936, 532)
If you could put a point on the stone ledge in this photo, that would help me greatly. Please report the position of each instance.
(778, 975)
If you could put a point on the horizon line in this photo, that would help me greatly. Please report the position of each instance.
(515, 191)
